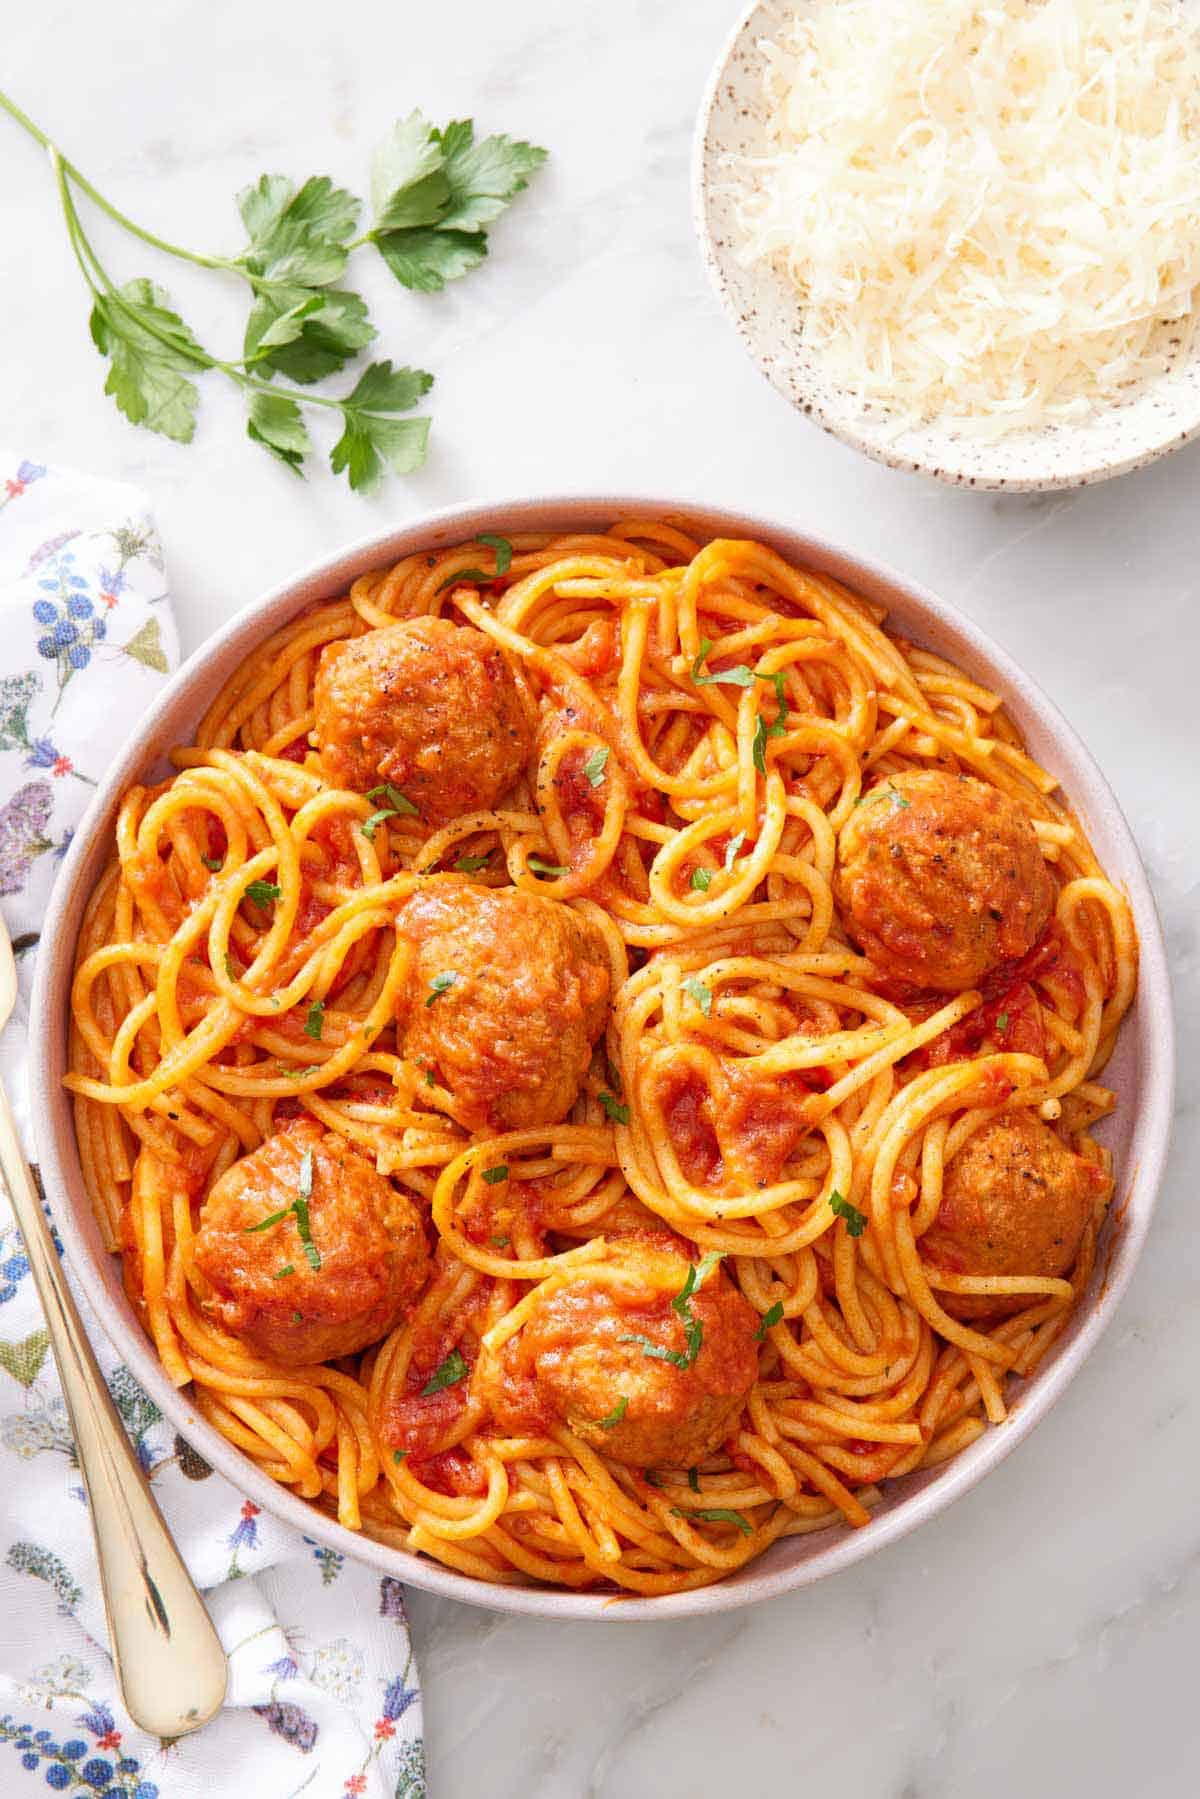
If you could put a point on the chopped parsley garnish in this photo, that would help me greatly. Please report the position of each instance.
(758, 747)
(741, 676)
(314, 1024)
(392, 796)
(701, 994)
(297, 1317)
(299, 1210)
(595, 766)
(502, 547)
(655, 1351)
(500, 1242)
(897, 798)
(430, 1078)
(1002, 1022)
(397, 805)
(549, 870)
(465, 577)
(731, 851)
(230, 970)
(771, 1317)
(216, 863)
(300, 1074)
(469, 865)
(615, 1416)
(398, 1456)
(494, 1175)
(263, 893)
(446, 1374)
(282, 1273)
(651, 1478)
(716, 1514)
(682, 1303)
(694, 1479)
(441, 983)
(780, 725)
(856, 1221)
(616, 1111)
(702, 879)
(300, 1206)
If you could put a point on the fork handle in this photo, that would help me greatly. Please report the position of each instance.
(167, 1657)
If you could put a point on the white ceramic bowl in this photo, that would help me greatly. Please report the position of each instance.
(1142, 1069)
(765, 309)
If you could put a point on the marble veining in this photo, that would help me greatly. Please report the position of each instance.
(1038, 1638)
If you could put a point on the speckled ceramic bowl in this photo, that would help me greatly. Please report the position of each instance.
(1142, 1069)
(766, 311)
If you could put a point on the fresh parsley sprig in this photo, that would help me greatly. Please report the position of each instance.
(434, 194)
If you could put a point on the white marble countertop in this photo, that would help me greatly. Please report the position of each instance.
(1038, 1638)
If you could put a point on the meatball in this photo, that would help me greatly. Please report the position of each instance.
(428, 705)
(507, 995)
(1015, 1201)
(366, 1241)
(939, 878)
(584, 1352)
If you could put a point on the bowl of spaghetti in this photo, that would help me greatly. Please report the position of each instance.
(590, 1051)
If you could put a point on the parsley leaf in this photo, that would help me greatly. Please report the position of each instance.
(655, 1351)
(435, 191)
(716, 1514)
(465, 577)
(498, 1173)
(398, 1456)
(263, 893)
(897, 798)
(374, 438)
(702, 879)
(738, 676)
(856, 1221)
(548, 870)
(314, 1024)
(469, 865)
(771, 1317)
(275, 422)
(731, 850)
(616, 1111)
(615, 1416)
(694, 1479)
(1002, 1022)
(502, 547)
(215, 863)
(697, 1273)
(281, 1273)
(300, 1207)
(299, 1074)
(397, 801)
(595, 766)
(150, 352)
(701, 994)
(441, 983)
(758, 748)
(231, 968)
(446, 1374)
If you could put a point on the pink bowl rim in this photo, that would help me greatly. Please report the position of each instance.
(189, 690)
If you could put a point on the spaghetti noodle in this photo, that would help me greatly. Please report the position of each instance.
(736, 1277)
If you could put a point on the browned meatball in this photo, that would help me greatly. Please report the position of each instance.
(428, 705)
(1015, 1201)
(507, 996)
(939, 878)
(583, 1352)
(366, 1238)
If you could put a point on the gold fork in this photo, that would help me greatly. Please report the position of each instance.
(168, 1660)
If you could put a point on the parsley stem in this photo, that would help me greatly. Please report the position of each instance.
(201, 359)
(93, 193)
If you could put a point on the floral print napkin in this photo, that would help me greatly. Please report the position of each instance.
(323, 1695)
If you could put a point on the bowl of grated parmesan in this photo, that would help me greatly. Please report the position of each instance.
(965, 238)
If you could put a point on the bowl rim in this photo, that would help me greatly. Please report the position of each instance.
(814, 407)
(54, 1128)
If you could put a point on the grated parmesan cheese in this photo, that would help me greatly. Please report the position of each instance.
(991, 214)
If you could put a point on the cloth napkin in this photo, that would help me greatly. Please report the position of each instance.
(323, 1692)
